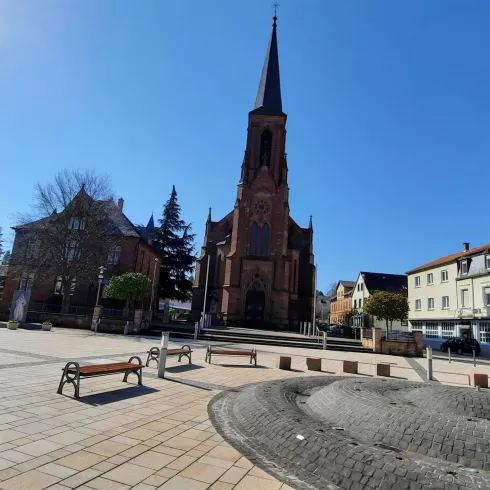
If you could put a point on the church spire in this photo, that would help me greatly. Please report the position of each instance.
(268, 100)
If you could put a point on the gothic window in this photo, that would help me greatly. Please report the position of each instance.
(264, 240)
(265, 148)
(295, 271)
(254, 235)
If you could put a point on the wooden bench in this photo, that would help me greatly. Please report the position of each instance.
(154, 354)
(224, 352)
(72, 372)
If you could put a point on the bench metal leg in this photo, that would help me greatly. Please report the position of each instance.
(186, 354)
(138, 373)
(208, 355)
(153, 355)
(73, 378)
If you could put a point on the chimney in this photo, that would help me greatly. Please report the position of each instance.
(120, 204)
(466, 246)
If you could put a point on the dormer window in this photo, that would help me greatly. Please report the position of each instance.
(76, 224)
(487, 262)
(464, 267)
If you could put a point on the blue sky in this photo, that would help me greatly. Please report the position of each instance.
(388, 109)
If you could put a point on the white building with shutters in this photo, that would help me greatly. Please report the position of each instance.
(450, 297)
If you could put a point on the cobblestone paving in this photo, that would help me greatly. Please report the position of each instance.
(349, 433)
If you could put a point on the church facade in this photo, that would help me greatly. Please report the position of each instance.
(261, 263)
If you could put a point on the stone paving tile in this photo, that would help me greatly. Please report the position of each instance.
(254, 483)
(153, 460)
(81, 460)
(38, 448)
(203, 472)
(129, 473)
(181, 463)
(15, 456)
(34, 463)
(57, 470)
(31, 480)
(107, 448)
(182, 483)
(81, 478)
(233, 475)
(102, 483)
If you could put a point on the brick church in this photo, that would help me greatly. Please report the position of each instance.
(261, 266)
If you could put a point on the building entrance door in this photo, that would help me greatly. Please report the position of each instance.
(254, 306)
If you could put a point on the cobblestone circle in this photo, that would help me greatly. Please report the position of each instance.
(355, 433)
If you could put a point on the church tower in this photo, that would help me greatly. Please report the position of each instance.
(260, 261)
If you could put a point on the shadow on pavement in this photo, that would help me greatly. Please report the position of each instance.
(116, 395)
(182, 368)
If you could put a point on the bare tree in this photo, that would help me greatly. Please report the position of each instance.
(70, 232)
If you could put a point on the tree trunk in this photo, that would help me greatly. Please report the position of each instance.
(126, 311)
(387, 333)
(65, 304)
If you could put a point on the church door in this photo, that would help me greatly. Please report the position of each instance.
(254, 306)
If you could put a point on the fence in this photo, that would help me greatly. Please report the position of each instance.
(399, 336)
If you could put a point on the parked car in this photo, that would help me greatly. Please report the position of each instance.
(461, 345)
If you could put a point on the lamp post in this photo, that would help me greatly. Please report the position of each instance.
(153, 284)
(100, 279)
(102, 269)
(205, 293)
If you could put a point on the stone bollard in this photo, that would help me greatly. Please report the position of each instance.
(478, 379)
(383, 369)
(350, 367)
(313, 364)
(284, 363)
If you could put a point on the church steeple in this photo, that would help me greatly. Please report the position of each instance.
(268, 100)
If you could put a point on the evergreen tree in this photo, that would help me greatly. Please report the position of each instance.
(176, 243)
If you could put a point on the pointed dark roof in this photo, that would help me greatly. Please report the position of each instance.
(268, 100)
(392, 283)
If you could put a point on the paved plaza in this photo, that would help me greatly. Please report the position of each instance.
(167, 434)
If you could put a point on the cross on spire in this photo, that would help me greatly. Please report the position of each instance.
(274, 6)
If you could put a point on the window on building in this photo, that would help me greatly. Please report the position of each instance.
(71, 251)
(254, 236)
(416, 325)
(355, 303)
(430, 303)
(76, 224)
(59, 289)
(418, 304)
(486, 296)
(447, 330)
(30, 250)
(26, 281)
(464, 267)
(444, 276)
(265, 148)
(430, 279)
(417, 281)
(487, 261)
(432, 330)
(114, 256)
(464, 298)
(103, 293)
(360, 302)
(445, 302)
(484, 331)
(264, 240)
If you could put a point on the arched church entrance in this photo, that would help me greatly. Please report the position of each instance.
(255, 302)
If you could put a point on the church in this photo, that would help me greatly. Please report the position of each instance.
(261, 264)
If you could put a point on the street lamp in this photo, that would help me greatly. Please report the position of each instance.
(101, 277)
(153, 284)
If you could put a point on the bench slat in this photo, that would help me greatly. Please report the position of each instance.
(106, 368)
(232, 352)
(177, 351)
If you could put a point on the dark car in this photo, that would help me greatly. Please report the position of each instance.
(461, 345)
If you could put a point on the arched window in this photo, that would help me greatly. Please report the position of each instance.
(265, 148)
(264, 240)
(254, 235)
